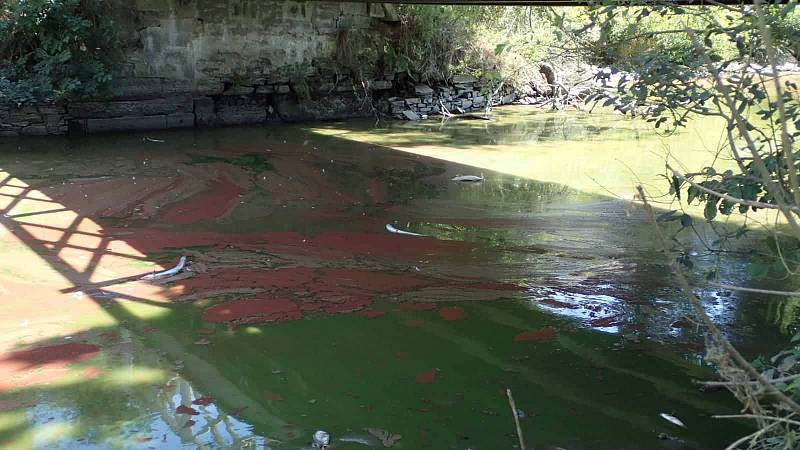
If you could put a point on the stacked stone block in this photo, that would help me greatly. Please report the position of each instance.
(33, 120)
(463, 95)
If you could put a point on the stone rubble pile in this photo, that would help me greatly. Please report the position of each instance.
(464, 95)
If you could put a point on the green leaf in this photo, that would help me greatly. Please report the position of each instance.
(758, 270)
(710, 211)
(676, 185)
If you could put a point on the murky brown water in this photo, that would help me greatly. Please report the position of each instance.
(302, 312)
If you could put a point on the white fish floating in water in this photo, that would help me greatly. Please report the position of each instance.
(149, 139)
(369, 441)
(394, 230)
(468, 178)
(167, 273)
(672, 419)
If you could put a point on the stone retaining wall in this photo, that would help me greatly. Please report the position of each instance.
(166, 107)
(262, 104)
(464, 95)
(33, 120)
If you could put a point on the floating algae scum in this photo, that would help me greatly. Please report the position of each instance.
(302, 312)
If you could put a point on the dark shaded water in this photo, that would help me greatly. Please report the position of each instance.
(304, 313)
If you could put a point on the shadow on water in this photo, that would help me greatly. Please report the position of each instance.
(553, 292)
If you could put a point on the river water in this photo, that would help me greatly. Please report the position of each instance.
(301, 312)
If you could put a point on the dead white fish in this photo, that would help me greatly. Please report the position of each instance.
(468, 178)
(394, 230)
(167, 273)
(157, 141)
(369, 440)
(672, 419)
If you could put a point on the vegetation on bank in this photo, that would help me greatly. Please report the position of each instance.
(55, 49)
(725, 63)
(509, 44)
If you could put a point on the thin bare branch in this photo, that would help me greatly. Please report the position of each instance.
(727, 197)
(786, 141)
(755, 290)
(734, 383)
(717, 334)
(757, 416)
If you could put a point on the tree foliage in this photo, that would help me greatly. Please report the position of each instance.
(55, 49)
(729, 70)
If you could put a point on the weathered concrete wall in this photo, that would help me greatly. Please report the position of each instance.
(208, 46)
(201, 63)
(204, 63)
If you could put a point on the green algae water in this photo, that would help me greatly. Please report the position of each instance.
(301, 312)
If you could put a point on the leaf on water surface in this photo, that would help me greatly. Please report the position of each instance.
(371, 313)
(424, 306)
(183, 409)
(203, 401)
(452, 313)
(203, 341)
(238, 411)
(544, 334)
(672, 419)
(272, 396)
(199, 267)
(387, 438)
(427, 377)
(414, 323)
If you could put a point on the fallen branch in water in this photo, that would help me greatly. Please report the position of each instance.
(444, 111)
(771, 380)
(516, 418)
(756, 416)
(755, 290)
